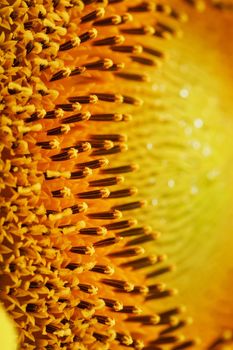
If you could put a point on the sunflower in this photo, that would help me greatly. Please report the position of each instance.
(83, 265)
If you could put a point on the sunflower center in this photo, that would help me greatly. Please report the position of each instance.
(185, 154)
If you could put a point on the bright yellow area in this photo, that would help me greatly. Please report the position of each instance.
(182, 140)
(8, 336)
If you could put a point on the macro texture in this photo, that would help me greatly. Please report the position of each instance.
(85, 263)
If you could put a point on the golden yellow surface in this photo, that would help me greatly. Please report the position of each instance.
(7, 332)
(182, 141)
